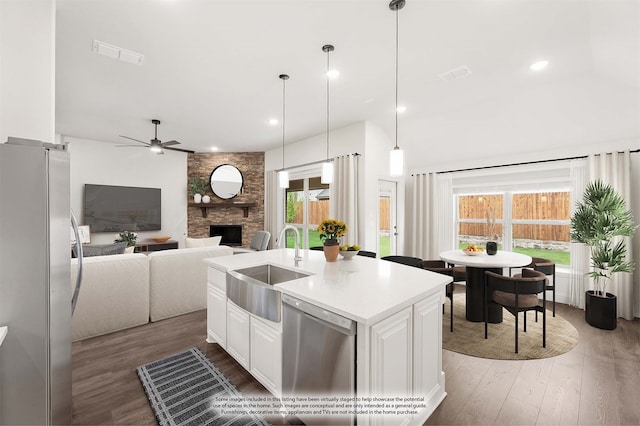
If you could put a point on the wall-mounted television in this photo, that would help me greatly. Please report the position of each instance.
(109, 208)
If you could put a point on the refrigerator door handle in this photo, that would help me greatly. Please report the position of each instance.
(76, 232)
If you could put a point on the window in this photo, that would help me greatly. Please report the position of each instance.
(533, 223)
(306, 204)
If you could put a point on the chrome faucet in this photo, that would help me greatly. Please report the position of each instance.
(296, 257)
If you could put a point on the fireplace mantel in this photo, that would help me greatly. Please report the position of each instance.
(224, 205)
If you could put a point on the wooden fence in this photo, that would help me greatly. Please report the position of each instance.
(319, 210)
(537, 206)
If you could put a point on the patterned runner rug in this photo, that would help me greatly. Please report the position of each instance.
(186, 389)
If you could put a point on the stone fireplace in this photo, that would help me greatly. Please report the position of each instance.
(251, 165)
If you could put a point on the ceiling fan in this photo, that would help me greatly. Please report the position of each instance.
(156, 145)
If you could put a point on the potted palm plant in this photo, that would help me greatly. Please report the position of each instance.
(599, 221)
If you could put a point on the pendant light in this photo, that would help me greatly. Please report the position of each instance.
(283, 175)
(327, 166)
(396, 156)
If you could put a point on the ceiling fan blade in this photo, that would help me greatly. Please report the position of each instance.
(127, 137)
(188, 151)
(129, 146)
(165, 144)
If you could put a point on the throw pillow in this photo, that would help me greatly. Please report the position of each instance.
(100, 249)
(202, 242)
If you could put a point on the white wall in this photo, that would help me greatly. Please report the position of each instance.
(374, 146)
(346, 140)
(103, 163)
(27, 69)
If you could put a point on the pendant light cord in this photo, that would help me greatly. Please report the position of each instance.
(328, 52)
(284, 78)
(397, 37)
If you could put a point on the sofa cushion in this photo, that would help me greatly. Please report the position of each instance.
(100, 249)
(202, 242)
(178, 280)
(114, 294)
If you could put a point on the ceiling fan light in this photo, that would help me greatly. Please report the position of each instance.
(327, 172)
(283, 179)
(156, 149)
(396, 162)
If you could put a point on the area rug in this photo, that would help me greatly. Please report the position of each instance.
(468, 337)
(187, 389)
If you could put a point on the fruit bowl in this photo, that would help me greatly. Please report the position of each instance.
(348, 254)
(160, 239)
(472, 253)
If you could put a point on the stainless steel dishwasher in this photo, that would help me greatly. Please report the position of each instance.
(319, 355)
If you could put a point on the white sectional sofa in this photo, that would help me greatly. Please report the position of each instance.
(125, 290)
(179, 280)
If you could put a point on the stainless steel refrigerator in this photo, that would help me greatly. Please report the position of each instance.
(35, 288)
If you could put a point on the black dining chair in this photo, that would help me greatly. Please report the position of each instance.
(516, 294)
(367, 253)
(405, 260)
(441, 267)
(547, 267)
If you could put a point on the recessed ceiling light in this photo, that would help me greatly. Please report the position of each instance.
(214, 148)
(333, 74)
(273, 121)
(539, 66)
(401, 109)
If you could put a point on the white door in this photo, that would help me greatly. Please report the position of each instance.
(387, 225)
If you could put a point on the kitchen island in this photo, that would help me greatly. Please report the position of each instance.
(398, 315)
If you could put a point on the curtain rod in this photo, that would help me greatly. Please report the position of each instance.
(311, 163)
(526, 162)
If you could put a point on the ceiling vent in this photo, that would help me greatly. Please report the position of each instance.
(115, 52)
(456, 73)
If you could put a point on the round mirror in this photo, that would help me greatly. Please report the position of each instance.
(226, 181)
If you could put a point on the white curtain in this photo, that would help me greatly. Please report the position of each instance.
(579, 252)
(429, 219)
(272, 195)
(446, 214)
(344, 195)
(419, 218)
(615, 170)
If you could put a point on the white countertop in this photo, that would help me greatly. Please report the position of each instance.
(363, 289)
(502, 259)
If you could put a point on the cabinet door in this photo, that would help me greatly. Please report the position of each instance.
(238, 334)
(427, 345)
(391, 355)
(266, 355)
(216, 316)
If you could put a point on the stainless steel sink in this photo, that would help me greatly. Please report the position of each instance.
(252, 289)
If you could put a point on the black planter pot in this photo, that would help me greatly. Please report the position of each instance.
(492, 248)
(601, 312)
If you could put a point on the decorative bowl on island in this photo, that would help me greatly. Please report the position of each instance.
(473, 250)
(348, 251)
(348, 254)
(160, 239)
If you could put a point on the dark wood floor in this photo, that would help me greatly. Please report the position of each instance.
(595, 383)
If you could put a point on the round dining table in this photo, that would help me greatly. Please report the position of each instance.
(476, 267)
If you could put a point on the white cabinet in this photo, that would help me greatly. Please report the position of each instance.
(216, 316)
(391, 355)
(238, 334)
(216, 307)
(266, 355)
(427, 355)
